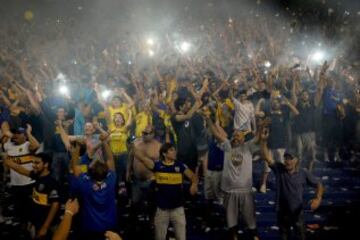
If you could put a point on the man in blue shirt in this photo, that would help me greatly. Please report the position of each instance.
(290, 183)
(169, 194)
(96, 191)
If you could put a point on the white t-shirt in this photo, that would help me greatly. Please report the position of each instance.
(244, 115)
(13, 150)
(237, 171)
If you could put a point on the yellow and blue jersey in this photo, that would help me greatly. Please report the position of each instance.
(169, 184)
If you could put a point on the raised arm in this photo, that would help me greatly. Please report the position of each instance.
(62, 232)
(75, 155)
(321, 84)
(109, 156)
(189, 114)
(216, 130)
(34, 144)
(64, 136)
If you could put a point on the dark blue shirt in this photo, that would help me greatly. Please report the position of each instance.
(215, 157)
(169, 184)
(290, 187)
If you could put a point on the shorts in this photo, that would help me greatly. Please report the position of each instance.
(240, 203)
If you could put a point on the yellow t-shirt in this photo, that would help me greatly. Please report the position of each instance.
(142, 119)
(123, 109)
(118, 140)
(224, 117)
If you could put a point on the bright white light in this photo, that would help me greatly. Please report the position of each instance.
(150, 41)
(267, 64)
(105, 94)
(64, 90)
(129, 62)
(61, 77)
(151, 53)
(318, 56)
(185, 47)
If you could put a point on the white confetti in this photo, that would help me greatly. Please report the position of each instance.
(274, 228)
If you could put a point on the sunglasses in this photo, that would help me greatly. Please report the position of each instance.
(147, 133)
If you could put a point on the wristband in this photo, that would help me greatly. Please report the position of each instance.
(69, 212)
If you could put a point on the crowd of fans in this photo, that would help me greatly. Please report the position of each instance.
(124, 121)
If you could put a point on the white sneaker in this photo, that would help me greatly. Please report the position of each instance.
(262, 188)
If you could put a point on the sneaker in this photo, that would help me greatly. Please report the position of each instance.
(263, 188)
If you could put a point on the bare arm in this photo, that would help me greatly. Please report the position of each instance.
(66, 139)
(215, 130)
(292, 108)
(62, 232)
(194, 181)
(109, 156)
(75, 155)
(34, 144)
(258, 109)
(264, 150)
(16, 167)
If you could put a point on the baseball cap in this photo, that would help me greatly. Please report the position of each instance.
(288, 155)
(18, 130)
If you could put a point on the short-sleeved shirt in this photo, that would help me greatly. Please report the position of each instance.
(22, 155)
(169, 184)
(290, 187)
(45, 192)
(98, 206)
(118, 139)
(237, 172)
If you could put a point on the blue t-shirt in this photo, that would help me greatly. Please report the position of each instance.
(98, 206)
(215, 157)
(169, 184)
